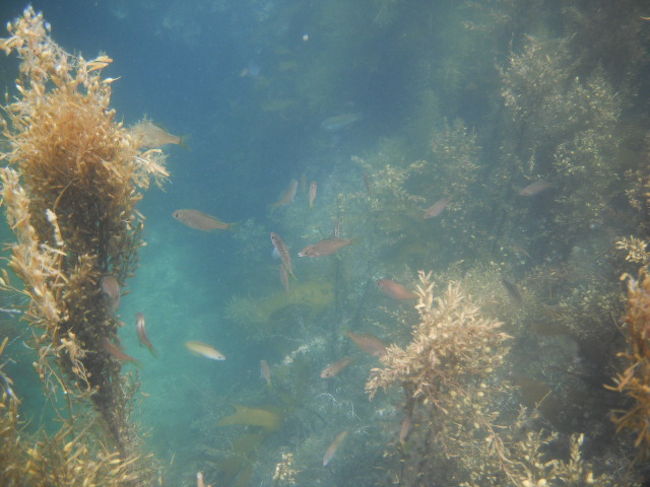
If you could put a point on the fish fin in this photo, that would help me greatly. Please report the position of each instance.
(184, 141)
(153, 352)
(233, 226)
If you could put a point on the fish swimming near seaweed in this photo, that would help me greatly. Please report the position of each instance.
(283, 251)
(265, 372)
(244, 415)
(331, 450)
(140, 329)
(200, 221)
(339, 122)
(535, 188)
(204, 350)
(324, 247)
(148, 134)
(437, 208)
(332, 370)
(313, 191)
(288, 196)
(111, 289)
(368, 343)
(395, 290)
(116, 352)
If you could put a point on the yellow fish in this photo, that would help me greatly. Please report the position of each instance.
(244, 415)
(200, 221)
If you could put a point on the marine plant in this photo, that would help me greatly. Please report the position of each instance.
(72, 180)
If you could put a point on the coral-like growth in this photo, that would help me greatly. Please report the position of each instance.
(452, 345)
(70, 191)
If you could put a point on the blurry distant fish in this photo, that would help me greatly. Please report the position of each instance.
(265, 372)
(513, 290)
(142, 333)
(332, 370)
(204, 350)
(288, 196)
(367, 182)
(252, 69)
(395, 290)
(535, 188)
(368, 343)
(331, 450)
(199, 479)
(324, 247)
(116, 352)
(313, 191)
(111, 288)
(148, 134)
(338, 122)
(283, 252)
(437, 208)
(284, 278)
(405, 428)
(200, 221)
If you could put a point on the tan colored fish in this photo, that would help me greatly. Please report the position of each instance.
(200, 221)
(288, 196)
(142, 333)
(368, 343)
(265, 372)
(333, 370)
(405, 428)
(116, 352)
(148, 134)
(324, 247)
(535, 188)
(111, 288)
(331, 450)
(283, 251)
(437, 208)
(204, 350)
(313, 191)
(395, 290)
(199, 479)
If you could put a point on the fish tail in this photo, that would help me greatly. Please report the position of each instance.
(152, 350)
(183, 141)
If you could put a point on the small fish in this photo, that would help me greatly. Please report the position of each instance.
(204, 350)
(334, 369)
(331, 450)
(324, 247)
(437, 208)
(200, 482)
(283, 251)
(313, 191)
(148, 134)
(111, 288)
(395, 290)
(284, 279)
(142, 333)
(368, 343)
(200, 221)
(513, 290)
(535, 188)
(405, 428)
(338, 122)
(265, 372)
(288, 196)
(116, 352)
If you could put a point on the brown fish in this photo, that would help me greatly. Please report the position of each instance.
(111, 288)
(313, 191)
(405, 428)
(288, 196)
(265, 372)
(333, 370)
(535, 188)
(368, 343)
(331, 450)
(283, 251)
(200, 221)
(324, 247)
(437, 208)
(116, 352)
(142, 333)
(148, 134)
(395, 290)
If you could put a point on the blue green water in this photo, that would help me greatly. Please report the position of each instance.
(251, 84)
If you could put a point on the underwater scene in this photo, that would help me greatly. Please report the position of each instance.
(342, 243)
